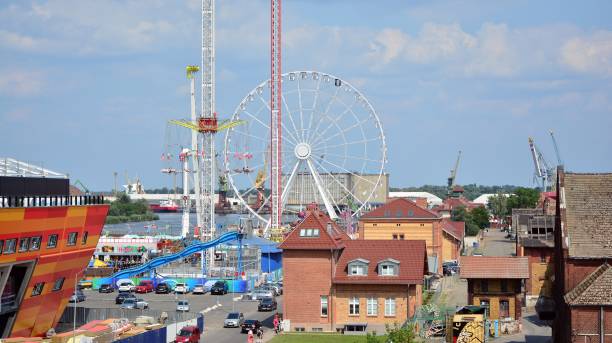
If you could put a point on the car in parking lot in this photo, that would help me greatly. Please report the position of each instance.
(126, 287)
(181, 288)
(106, 288)
(219, 288)
(162, 288)
(271, 287)
(233, 320)
(182, 306)
(189, 334)
(267, 304)
(250, 324)
(85, 284)
(278, 288)
(133, 303)
(199, 289)
(145, 286)
(77, 296)
(122, 296)
(260, 293)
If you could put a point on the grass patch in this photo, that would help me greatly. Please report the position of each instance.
(317, 338)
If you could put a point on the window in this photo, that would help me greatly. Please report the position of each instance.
(401, 237)
(324, 306)
(394, 237)
(422, 224)
(398, 213)
(35, 243)
(358, 269)
(72, 238)
(309, 232)
(10, 246)
(410, 213)
(484, 286)
(374, 224)
(542, 257)
(1, 245)
(24, 244)
(389, 307)
(52, 243)
(317, 329)
(387, 213)
(299, 329)
(354, 306)
(59, 283)
(388, 269)
(398, 224)
(504, 285)
(38, 288)
(504, 309)
(84, 239)
(484, 302)
(372, 306)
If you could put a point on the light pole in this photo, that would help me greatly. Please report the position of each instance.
(76, 299)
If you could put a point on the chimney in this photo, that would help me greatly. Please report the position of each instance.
(422, 202)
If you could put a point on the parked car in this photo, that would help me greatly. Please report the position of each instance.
(133, 303)
(145, 286)
(278, 287)
(106, 288)
(220, 287)
(233, 320)
(85, 284)
(162, 288)
(188, 334)
(182, 306)
(122, 296)
(270, 287)
(181, 288)
(260, 293)
(199, 289)
(126, 287)
(250, 324)
(267, 304)
(77, 296)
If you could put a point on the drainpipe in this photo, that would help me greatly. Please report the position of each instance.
(330, 309)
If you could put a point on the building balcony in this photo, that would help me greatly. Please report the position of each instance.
(49, 201)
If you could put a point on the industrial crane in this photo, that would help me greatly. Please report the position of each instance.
(542, 170)
(453, 175)
(559, 161)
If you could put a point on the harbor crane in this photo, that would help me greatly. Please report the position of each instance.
(453, 175)
(559, 160)
(543, 171)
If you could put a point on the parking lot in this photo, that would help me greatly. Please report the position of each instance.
(216, 307)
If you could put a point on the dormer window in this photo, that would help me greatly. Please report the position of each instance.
(309, 232)
(388, 267)
(358, 267)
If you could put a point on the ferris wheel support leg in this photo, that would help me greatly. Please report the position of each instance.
(289, 183)
(328, 205)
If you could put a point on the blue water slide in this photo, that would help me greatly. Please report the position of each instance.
(189, 250)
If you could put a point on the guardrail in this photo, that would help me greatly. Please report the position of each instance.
(50, 201)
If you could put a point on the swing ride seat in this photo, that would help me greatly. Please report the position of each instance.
(208, 124)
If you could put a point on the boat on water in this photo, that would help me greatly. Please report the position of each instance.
(165, 206)
(47, 238)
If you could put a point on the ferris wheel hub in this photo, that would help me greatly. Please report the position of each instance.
(302, 150)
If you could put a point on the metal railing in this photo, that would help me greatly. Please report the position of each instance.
(50, 201)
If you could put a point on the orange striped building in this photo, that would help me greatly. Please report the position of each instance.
(43, 251)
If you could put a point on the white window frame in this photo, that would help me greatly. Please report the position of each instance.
(385, 267)
(354, 306)
(358, 269)
(324, 305)
(390, 307)
(372, 306)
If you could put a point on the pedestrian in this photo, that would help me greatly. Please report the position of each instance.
(260, 335)
(250, 336)
(275, 323)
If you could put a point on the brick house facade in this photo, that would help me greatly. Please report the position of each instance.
(582, 291)
(333, 283)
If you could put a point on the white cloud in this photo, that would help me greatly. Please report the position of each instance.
(589, 53)
(20, 82)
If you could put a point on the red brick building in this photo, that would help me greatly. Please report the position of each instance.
(333, 283)
(583, 251)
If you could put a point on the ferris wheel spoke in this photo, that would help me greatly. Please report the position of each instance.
(348, 171)
(331, 101)
(338, 182)
(256, 119)
(346, 130)
(354, 142)
(334, 121)
(289, 184)
(301, 108)
(328, 206)
(250, 136)
(289, 113)
(314, 108)
(295, 140)
(353, 157)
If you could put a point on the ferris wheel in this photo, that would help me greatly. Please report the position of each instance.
(333, 147)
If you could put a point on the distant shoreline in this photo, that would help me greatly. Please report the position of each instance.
(131, 218)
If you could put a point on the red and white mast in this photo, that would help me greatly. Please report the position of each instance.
(275, 116)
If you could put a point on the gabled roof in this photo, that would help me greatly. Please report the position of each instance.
(359, 259)
(595, 289)
(411, 256)
(453, 228)
(588, 214)
(400, 208)
(334, 239)
(494, 267)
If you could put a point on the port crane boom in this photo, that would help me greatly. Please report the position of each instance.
(542, 169)
(453, 174)
(559, 160)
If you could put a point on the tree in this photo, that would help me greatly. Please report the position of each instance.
(459, 214)
(475, 220)
(400, 334)
(498, 205)
(524, 198)
(480, 217)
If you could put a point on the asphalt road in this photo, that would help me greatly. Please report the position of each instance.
(217, 309)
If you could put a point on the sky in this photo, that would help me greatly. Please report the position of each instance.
(86, 87)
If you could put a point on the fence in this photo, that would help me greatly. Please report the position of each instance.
(85, 315)
(432, 320)
(54, 200)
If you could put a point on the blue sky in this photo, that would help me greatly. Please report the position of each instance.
(86, 87)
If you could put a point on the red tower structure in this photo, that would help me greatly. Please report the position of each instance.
(275, 116)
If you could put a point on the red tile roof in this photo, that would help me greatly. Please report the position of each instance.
(494, 267)
(410, 254)
(453, 228)
(401, 208)
(334, 239)
(594, 290)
